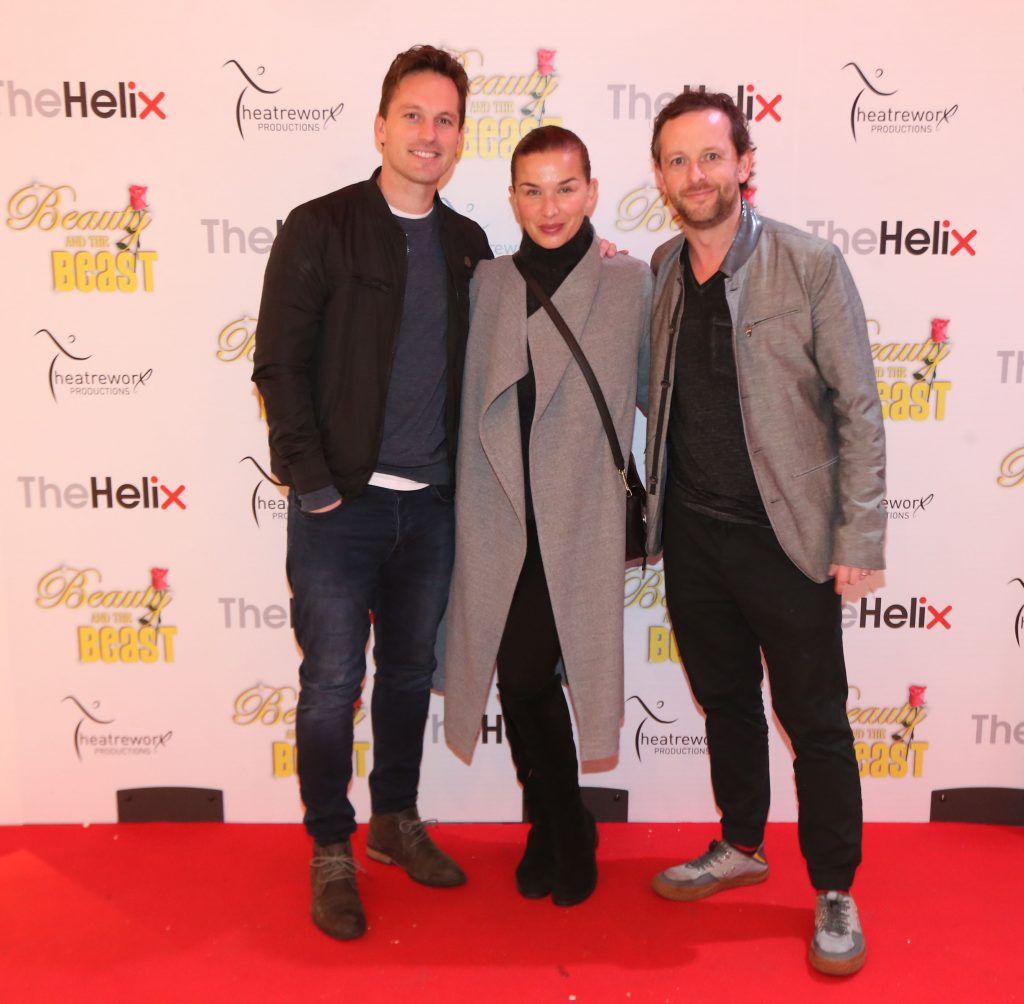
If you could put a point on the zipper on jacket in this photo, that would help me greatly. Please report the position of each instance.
(749, 329)
(665, 384)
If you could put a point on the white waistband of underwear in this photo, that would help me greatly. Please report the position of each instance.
(395, 483)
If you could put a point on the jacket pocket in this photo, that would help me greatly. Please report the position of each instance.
(816, 467)
(372, 281)
(748, 328)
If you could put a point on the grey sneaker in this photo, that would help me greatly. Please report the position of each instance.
(720, 867)
(837, 947)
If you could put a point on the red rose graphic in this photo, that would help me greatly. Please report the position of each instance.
(939, 327)
(137, 196)
(916, 698)
(159, 578)
(546, 61)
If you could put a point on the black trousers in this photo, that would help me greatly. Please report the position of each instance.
(732, 593)
(529, 651)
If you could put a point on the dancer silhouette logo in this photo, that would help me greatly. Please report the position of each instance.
(259, 110)
(872, 113)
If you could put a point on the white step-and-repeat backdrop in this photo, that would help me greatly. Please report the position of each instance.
(149, 157)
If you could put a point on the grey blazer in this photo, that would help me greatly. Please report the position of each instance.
(578, 498)
(808, 398)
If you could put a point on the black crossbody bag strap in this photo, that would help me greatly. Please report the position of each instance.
(581, 359)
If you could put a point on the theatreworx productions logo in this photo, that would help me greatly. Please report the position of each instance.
(100, 249)
(268, 707)
(69, 377)
(655, 735)
(1011, 470)
(257, 108)
(872, 112)
(124, 625)
(78, 99)
(504, 106)
(885, 736)
(266, 499)
(907, 373)
(94, 737)
(906, 506)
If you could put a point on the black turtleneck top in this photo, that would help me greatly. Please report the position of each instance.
(551, 266)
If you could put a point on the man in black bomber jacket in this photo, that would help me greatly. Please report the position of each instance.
(359, 354)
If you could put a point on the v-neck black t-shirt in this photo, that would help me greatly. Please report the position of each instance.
(708, 460)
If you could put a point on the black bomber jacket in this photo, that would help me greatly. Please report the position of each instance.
(328, 327)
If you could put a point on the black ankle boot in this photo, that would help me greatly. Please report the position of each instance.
(575, 857)
(535, 871)
(544, 726)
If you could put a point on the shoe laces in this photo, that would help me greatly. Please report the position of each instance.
(415, 830)
(836, 915)
(718, 850)
(331, 868)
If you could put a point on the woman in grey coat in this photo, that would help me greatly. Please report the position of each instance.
(540, 506)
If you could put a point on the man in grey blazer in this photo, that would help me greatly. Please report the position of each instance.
(765, 461)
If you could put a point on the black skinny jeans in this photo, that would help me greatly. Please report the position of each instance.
(733, 593)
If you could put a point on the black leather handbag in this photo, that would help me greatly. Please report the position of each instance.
(636, 494)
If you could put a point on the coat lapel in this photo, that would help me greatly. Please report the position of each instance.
(506, 364)
(574, 299)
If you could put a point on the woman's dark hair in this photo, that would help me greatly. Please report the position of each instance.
(546, 138)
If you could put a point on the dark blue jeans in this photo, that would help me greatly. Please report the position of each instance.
(389, 553)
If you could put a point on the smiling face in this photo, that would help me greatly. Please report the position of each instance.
(699, 171)
(419, 138)
(551, 195)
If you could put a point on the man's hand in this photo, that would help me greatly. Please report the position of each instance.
(327, 508)
(608, 249)
(847, 575)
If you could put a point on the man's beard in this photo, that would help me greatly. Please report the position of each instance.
(708, 216)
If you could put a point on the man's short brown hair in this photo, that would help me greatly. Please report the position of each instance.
(696, 101)
(424, 59)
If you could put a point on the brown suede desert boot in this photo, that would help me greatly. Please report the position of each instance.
(401, 838)
(336, 909)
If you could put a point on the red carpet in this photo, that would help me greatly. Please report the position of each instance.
(198, 912)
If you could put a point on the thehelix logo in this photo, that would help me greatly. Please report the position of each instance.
(92, 738)
(263, 501)
(101, 492)
(126, 101)
(940, 237)
(886, 118)
(1012, 369)
(85, 381)
(629, 102)
(653, 735)
(269, 116)
(223, 238)
(918, 613)
(503, 107)
(117, 632)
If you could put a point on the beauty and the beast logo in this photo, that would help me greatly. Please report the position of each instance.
(102, 248)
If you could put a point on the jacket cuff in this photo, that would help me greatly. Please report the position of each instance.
(318, 498)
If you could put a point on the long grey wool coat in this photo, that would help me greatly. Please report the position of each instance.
(578, 496)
